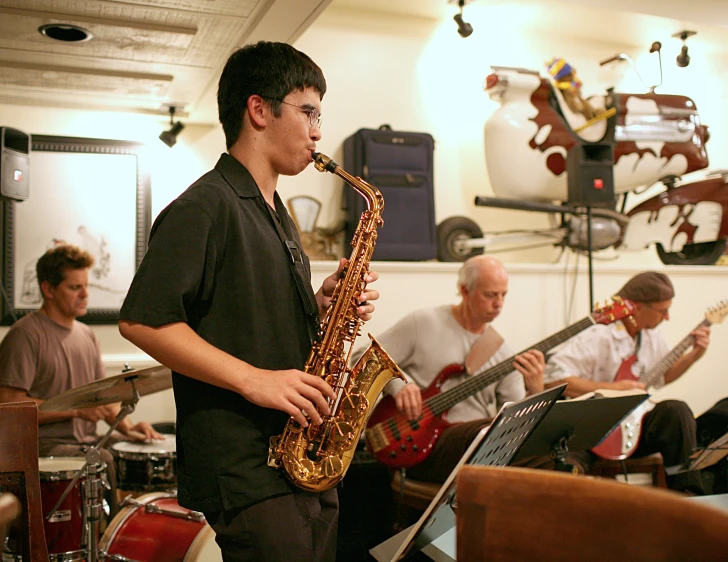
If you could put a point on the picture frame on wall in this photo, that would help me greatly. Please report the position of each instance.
(92, 193)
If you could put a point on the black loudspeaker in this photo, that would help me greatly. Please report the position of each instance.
(590, 175)
(14, 164)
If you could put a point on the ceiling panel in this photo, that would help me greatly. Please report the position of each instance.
(143, 54)
(148, 53)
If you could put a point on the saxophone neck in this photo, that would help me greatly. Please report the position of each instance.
(373, 197)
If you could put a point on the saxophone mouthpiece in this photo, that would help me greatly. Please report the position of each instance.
(323, 163)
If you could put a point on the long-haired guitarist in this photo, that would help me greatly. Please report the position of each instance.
(592, 360)
(426, 341)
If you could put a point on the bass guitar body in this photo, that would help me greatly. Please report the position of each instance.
(398, 442)
(625, 438)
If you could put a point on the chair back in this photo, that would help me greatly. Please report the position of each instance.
(518, 514)
(19, 473)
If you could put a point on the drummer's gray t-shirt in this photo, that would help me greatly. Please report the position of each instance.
(46, 359)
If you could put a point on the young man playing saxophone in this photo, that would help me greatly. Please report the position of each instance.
(223, 297)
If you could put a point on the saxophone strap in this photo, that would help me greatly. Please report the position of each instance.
(299, 266)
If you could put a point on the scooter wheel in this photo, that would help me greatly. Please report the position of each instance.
(450, 233)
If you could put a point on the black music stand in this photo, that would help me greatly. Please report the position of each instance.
(712, 454)
(495, 445)
(578, 425)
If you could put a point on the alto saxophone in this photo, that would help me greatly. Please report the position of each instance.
(317, 457)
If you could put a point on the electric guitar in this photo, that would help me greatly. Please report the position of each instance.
(623, 441)
(398, 442)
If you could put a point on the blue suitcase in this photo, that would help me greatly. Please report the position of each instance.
(400, 165)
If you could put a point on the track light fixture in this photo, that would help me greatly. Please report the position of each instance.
(683, 59)
(464, 28)
(169, 137)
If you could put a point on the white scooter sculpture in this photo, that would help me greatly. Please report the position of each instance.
(655, 137)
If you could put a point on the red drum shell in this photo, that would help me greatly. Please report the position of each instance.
(146, 536)
(65, 530)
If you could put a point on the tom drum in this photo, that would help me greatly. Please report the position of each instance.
(144, 467)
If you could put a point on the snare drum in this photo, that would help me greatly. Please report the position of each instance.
(154, 528)
(146, 466)
(65, 531)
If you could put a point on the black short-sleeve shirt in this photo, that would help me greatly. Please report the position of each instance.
(216, 261)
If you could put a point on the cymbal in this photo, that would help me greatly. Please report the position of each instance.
(117, 388)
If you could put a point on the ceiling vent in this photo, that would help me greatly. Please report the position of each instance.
(66, 32)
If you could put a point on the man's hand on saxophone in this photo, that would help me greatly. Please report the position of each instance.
(324, 294)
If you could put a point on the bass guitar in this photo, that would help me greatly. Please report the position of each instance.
(398, 442)
(625, 438)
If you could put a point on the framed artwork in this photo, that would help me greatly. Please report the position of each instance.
(92, 193)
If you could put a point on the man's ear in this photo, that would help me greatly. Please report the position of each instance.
(45, 288)
(258, 110)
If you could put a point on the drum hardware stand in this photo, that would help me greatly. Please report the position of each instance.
(92, 486)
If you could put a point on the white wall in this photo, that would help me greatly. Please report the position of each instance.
(418, 74)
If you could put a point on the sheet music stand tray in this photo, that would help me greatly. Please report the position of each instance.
(495, 445)
(578, 425)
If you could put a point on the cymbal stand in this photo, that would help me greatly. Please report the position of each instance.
(92, 486)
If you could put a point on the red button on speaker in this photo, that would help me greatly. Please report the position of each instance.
(598, 183)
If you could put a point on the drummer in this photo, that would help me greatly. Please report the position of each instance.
(49, 352)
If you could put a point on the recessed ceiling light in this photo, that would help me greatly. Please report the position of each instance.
(66, 32)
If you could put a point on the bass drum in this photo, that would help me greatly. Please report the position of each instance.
(154, 528)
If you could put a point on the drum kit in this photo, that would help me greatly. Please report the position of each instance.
(149, 528)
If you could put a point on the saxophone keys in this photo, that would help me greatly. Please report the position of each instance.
(344, 433)
(306, 469)
(332, 466)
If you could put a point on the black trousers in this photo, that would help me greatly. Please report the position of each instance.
(297, 527)
(670, 429)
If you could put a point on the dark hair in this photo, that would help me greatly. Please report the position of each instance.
(648, 287)
(270, 70)
(52, 265)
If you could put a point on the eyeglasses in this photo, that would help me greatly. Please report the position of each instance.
(314, 117)
(662, 312)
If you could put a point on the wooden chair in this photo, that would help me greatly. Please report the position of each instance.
(9, 510)
(19, 473)
(519, 514)
(651, 464)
